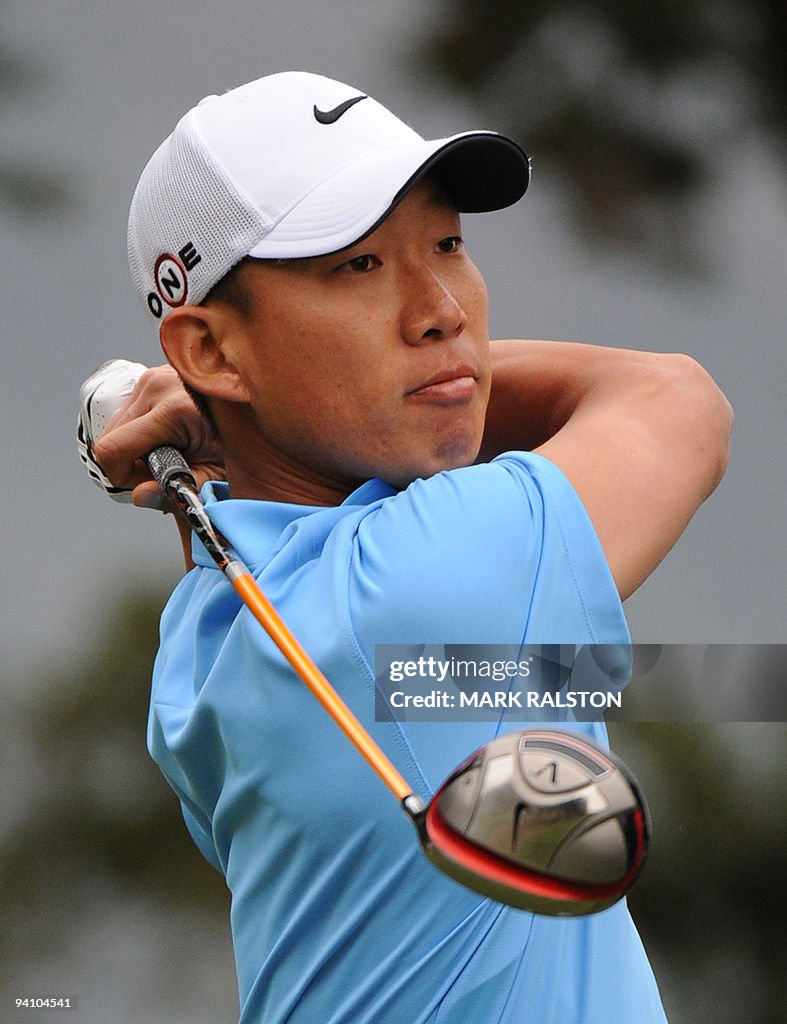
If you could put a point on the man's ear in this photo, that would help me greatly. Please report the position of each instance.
(194, 340)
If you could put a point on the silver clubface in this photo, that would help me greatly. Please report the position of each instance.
(544, 820)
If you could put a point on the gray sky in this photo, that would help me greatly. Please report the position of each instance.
(116, 78)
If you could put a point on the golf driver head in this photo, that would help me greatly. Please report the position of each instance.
(543, 820)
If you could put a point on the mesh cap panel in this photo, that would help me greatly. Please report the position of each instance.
(186, 199)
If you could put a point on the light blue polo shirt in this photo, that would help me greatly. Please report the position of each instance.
(337, 917)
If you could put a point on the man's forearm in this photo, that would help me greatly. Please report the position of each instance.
(522, 405)
(538, 385)
(643, 438)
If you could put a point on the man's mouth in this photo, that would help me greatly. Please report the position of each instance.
(447, 387)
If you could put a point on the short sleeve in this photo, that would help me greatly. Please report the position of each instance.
(502, 552)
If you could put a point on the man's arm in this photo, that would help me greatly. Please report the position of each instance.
(643, 438)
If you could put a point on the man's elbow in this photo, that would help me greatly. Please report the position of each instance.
(709, 420)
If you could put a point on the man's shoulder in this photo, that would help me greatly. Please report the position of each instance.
(454, 512)
(499, 495)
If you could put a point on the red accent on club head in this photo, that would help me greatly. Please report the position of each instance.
(489, 865)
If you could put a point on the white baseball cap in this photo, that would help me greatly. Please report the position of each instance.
(288, 166)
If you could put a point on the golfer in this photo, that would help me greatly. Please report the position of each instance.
(390, 476)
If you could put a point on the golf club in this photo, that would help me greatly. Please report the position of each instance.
(541, 819)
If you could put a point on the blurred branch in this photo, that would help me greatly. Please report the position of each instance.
(27, 185)
(29, 188)
(17, 75)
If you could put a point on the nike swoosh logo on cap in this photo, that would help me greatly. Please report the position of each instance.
(331, 116)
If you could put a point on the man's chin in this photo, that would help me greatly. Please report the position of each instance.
(456, 458)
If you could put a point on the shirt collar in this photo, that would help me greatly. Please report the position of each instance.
(254, 527)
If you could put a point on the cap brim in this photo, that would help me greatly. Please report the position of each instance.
(480, 171)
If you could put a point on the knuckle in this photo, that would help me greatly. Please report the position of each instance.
(157, 380)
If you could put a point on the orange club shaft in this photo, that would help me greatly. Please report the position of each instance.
(265, 613)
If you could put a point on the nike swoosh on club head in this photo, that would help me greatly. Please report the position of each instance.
(331, 116)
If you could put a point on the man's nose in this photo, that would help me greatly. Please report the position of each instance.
(430, 310)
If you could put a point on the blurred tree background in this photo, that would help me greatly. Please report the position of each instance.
(92, 844)
(632, 104)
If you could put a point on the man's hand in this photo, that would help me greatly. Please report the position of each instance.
(126, 411)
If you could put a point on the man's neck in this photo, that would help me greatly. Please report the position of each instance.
(281, 479)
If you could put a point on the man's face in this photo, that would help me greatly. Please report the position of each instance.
(373, 362)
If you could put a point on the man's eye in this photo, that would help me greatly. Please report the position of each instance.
(451, 244)
(362, 264)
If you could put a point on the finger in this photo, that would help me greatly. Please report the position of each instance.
(136, 433)
(121, 450)
(152, 387)
(151, 421)
(148, 495)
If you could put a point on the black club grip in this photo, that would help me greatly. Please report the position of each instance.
(166, 463)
